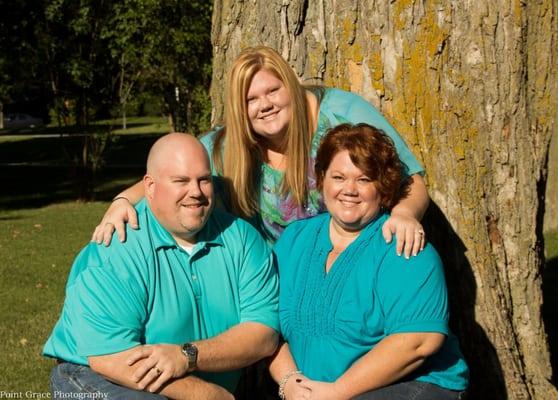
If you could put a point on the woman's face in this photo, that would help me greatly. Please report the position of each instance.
(350, 196)
(269, 106)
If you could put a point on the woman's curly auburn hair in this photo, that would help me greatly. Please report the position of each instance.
(373, 152)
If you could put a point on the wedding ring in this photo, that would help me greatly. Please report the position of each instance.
(157, 370)
(420, 232)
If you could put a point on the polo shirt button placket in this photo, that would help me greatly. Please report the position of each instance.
(195, 280)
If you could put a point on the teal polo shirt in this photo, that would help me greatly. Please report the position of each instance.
(148, 290)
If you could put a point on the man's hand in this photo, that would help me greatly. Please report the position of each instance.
(160, 362)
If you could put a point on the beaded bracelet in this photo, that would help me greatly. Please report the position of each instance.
(283, 382)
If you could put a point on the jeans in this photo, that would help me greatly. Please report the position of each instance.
(411, 390)
(83, 383)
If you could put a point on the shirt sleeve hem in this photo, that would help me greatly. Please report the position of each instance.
(273, 324)
(421, 326)
(92, 351)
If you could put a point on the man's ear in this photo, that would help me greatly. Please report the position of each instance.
(148, 186)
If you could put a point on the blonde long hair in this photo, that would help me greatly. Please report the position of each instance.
(242, 153)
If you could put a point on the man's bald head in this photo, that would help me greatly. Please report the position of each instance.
(178, 185)
(173, 146)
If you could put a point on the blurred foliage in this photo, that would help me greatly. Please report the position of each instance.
(77, 61)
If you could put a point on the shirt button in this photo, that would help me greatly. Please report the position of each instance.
(194, 277)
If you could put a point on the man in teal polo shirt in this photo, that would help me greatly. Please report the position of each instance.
(179, 308)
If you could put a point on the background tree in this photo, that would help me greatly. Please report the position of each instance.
(78, 57)
(20, 67)
(180, 65)
(470, 86)
(163, 48)
(93, 58)
(87, 60)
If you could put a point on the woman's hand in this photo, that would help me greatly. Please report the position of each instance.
(408, 232)
(324, 391)
(296, 388)
(120, 212)
(161, 363)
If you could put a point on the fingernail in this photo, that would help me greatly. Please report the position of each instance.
(398, 254)
(406, 256)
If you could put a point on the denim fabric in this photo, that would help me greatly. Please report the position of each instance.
(411, 390)
(85, 384)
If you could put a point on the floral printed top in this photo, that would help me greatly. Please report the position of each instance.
(336, 107)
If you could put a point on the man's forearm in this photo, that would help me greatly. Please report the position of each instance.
(238, 347)
(193, 388)
(114, 367)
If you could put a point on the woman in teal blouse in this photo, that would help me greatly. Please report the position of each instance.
(358, 321)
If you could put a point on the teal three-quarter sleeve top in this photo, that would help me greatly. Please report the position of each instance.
(330, 320)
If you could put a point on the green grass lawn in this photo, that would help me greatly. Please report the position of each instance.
(37, 247)
(42, 227)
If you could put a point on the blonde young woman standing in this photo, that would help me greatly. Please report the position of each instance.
(263, 158)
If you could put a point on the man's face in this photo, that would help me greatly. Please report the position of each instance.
(181, 193)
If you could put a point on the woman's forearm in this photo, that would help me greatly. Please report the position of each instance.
(417, 200)
(393, 358)
(134, 193)
(282, 363)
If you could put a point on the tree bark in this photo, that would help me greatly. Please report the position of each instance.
(469, 85)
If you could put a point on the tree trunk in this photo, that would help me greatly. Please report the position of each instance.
(471, 87)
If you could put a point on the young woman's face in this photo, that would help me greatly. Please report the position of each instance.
(350, 196)
(269, 106)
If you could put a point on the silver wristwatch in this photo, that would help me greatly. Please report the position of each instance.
(191, 353)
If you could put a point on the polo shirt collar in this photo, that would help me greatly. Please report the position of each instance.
(209, 235)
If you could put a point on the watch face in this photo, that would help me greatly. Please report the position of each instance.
(191, 352)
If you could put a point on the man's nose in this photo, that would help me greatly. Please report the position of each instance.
(194, 189)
